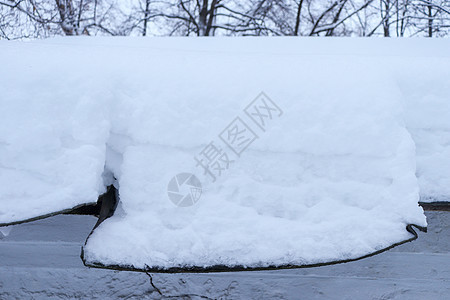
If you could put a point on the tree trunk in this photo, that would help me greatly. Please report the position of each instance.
(66, 13)
(146, 14)
(202, 18)
(211, 15)
(430, 21)
(387, 9)
(297, 19)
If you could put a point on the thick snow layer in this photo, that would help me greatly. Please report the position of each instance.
(427, 103)
(331, 177)
(52, 140)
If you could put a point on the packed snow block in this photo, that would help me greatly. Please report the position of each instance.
(427, 107)
(52, 134)
(251, 154)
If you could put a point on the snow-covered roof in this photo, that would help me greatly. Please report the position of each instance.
(235, 152)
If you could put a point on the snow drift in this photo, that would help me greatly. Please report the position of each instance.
(325, 171)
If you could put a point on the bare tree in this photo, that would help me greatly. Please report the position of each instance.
(45, 18)
(187, 17)
(207, 18)
(40, 18)
(334, 16)
(429, 17)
